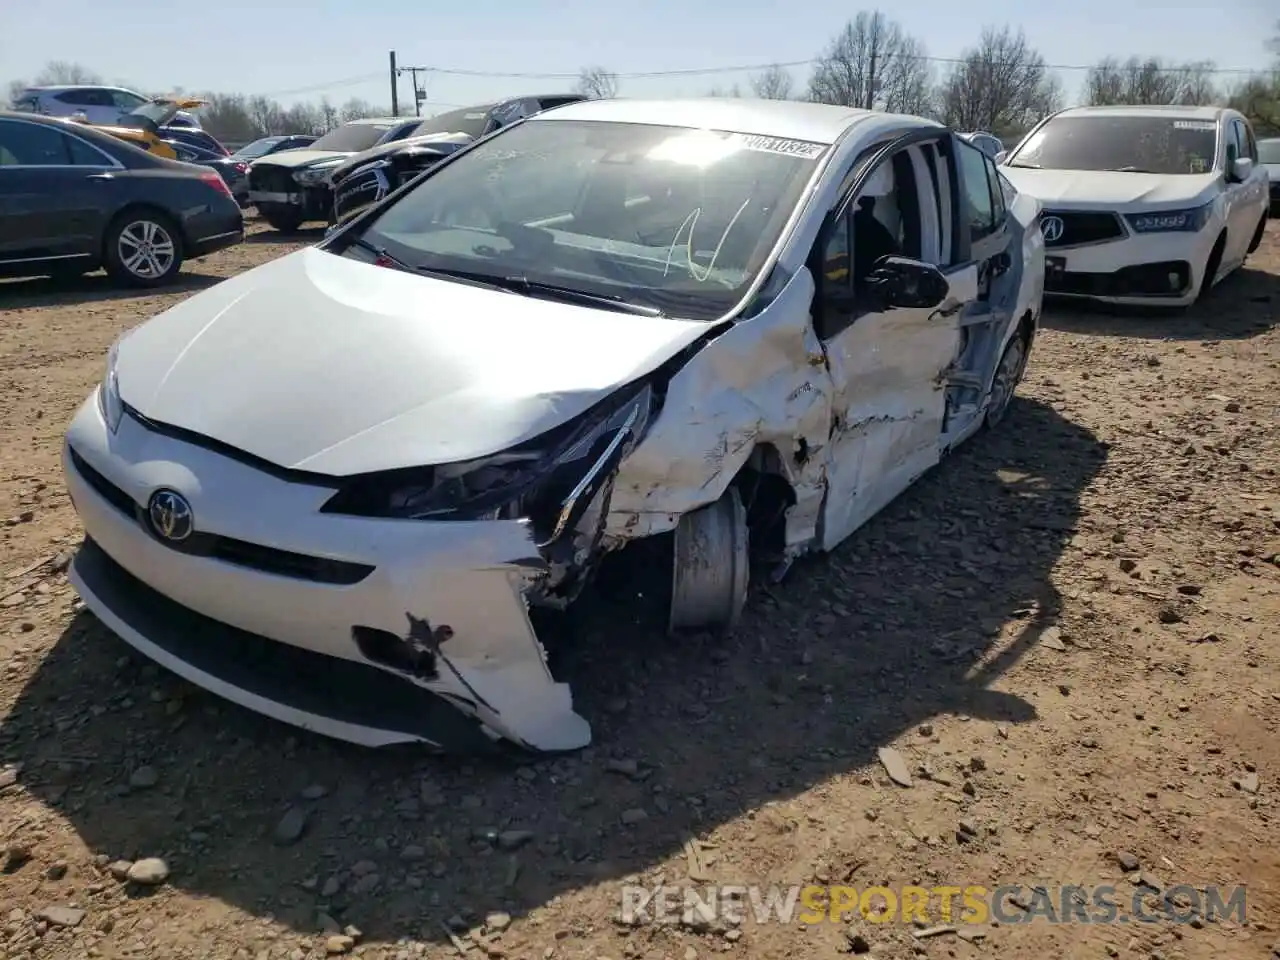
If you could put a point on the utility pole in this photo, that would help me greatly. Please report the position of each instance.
(419, 89)
(395, 93)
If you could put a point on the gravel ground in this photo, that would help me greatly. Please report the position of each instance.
(1065, 637)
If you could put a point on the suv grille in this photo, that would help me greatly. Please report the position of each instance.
(1083, 227)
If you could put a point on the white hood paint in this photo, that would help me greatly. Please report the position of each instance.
(331, 365)
(1122, 192)
(302, 157)
(1273, 171)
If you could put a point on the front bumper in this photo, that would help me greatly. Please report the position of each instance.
(303, 616)
(312, 203)
(1161, 269)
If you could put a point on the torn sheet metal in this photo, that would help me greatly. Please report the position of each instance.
(764, 381)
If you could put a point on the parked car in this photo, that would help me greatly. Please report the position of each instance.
(73, 199)
(1143, 205)
(144, 126)
(99, 105)
(194, 138)
(988, 143)
(357, 187)
(292, 186)
(359, 466)
(367, 177)
(234, 173)
(1269, 155)
(264, 146)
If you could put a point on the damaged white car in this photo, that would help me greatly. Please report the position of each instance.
(331, 489)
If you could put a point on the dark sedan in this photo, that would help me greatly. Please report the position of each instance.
(235, 173)
(265, 146)
(73, 199)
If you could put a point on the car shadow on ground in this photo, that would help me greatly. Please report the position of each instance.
(917, 616)
(48, 292)
(1243, 305)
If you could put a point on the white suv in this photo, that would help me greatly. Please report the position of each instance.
(1143, 204)
(103, 106)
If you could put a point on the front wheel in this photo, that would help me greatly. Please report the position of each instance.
(143, 249)
(286, 220)
(1005, 382)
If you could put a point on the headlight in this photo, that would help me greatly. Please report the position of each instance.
(310, 176)
(549, 481)
(109, 401)
(1170, 221)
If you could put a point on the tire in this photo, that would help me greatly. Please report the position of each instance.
(143, 248)
(286, 221)
(1257, 234)
(1004, 383)
(1211, 268)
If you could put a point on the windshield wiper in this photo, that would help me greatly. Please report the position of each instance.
(1128, 170)
(1029, 166)
(523, 285)
(383, 258)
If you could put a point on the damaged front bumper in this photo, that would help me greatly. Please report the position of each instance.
(370, 630)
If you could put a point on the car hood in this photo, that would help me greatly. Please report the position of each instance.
(321, 363)
(301, 157)
(455, 140)
(1273, 171)
(1091, 189)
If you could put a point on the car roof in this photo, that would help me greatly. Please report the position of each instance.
(58, 87)
(790, 119)
(1143, 110)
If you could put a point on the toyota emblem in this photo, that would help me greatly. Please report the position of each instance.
(1052, 229)
(170, 516)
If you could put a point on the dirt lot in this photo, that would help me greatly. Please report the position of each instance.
(1067, 635)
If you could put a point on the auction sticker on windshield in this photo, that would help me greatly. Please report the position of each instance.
(1194, 125)
(790, 148)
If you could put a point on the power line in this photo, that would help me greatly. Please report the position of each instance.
(713, 71)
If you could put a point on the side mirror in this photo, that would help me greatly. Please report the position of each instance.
(903, 282)
(1001, 157)
(1241, 169)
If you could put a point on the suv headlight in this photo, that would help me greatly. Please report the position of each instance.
(550, 481)
(109, 401)
(318, 173)
(1171, 221)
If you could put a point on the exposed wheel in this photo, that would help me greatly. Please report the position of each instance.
(710, 575)
(1257, 234)
(1005, 382)
(1211, 268)
(286, 221)
(143, 249)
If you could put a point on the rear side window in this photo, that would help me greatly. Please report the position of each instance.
(86, 98)
(32, 145)
(84, 155)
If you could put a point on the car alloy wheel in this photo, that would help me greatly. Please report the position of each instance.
(146, 249)
(1006, 380)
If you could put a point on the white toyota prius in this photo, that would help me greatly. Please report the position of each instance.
(1142, 204)
(334, 488)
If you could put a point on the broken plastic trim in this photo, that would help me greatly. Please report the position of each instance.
(552, 479)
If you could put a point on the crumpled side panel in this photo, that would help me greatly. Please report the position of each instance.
(764, 380)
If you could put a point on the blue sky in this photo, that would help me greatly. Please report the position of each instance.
(339, 48)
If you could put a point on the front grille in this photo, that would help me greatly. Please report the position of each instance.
(241, 553)
(366, 186)
(271, 179)
(1080, 227)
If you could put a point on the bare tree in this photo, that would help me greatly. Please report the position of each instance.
(1001, 85)
(874, 64)
(1258, 97)
(734, 91)
(773, 83)
(55, 72)
(1150, 81)
(597, 83)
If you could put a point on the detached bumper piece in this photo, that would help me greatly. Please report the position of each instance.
(1168, 279)
(339, 698)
